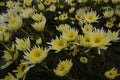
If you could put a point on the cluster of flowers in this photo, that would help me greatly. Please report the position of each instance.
(31, 30)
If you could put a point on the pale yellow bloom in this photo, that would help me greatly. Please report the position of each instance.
(87, 28)
(9, 57)
(23, 44)
(91, 17)
(10, 4)
(39, 26)
(14, 23)
(117, 10)
(41, 6)
(63, 27)
(72, 9)
(36, 55)
(3, 28)
(70, 35)
(79, 14)
(52, 8)
(38, 17)
(109, 24)
(85, 40)
(27, 2)
(27, 12)
(111, 74)
(5, 37)
(21, 70)
(108, 13)
(83, 60)
(58, 44)
(9, 77)
(63, 68)
(63, 16)
(39, 41)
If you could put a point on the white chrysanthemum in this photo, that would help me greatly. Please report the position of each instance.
(23, 44)
(36, 55)
(63, 68)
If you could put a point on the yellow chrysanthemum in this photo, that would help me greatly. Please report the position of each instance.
(63, 68)
(27, 12)
(108, 13)
(36, 55)
(5, 37)
(41, 6)
(109, 24)
(58, 44)
(87, 28)
(21, 70)
(63, 16)
(52, 8)
(39, 41)
(14, 23)
(83, 60)
(23, 44)
(27, 2)
(70, 35)
(63, 27)
(9, 57)
(99, 39)
(10, 4)
(91, 17)
(79, 14)
(9, 77)
(111, 74)
(3, 28)
(85, 40)
(114, 36)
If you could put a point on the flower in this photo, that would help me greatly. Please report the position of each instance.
(87, 28)
(23, 44)
(70, 35)
(58, 44)
(9, 57)
(91, 16)
(52, 8)
(21, 70)
(109, 24)
(41, 6)
(5, 37)
(14, 23)
(63, 16)
(36, 55)
(39, 41)
(27, 2)
(10, 4)
(10, 77)
(38, 17)
(3, 28)
(27, 12)
(83, 60)
(108, 13)
(63, 27)
(111, 74)
(63, 68)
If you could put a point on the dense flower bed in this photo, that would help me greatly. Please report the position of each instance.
(59, 39)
